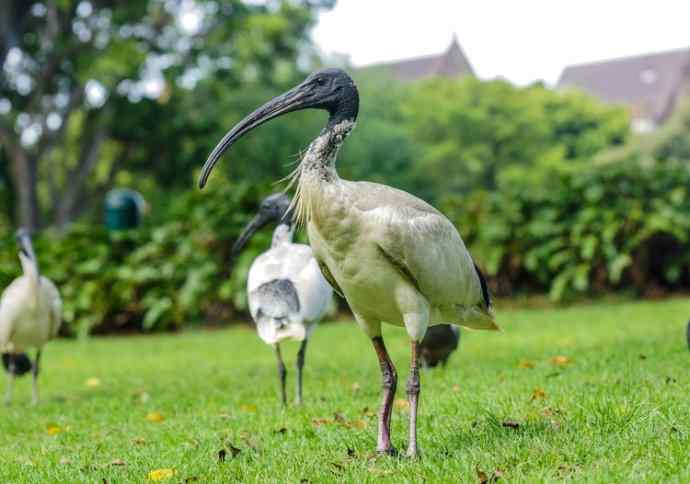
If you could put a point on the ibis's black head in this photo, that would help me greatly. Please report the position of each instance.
(329, 89)
(273, 208)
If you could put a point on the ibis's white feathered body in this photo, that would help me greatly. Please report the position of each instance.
(286, 310)
(287, 293)
(30, 316)
(395, 258)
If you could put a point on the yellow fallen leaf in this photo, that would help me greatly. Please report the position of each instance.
(53, 429)
(525, 364)
(65, 461)
(538, 394)
(92, 382)
(248, 407)
(161, 474)
(155, 417)
(560, 360)
(456, 388)
(401, 404)
(356, 387)
(358, 424)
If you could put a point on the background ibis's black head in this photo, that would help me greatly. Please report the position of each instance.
(329, 89)
(273, 208)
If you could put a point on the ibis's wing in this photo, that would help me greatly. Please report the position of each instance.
(422, 243)
(9, 308)
(53, 295)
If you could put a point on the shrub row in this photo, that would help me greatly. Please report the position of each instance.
(617, 225)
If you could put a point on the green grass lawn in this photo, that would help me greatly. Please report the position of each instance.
(617, 408)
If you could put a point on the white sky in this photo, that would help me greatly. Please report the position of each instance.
(519, 40)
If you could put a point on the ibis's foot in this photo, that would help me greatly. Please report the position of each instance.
(389, 384)
(390, 452)
(413, 452)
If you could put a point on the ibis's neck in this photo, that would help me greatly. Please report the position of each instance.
(319, 160)
(30, 268)
(317, 168)
(282, 234)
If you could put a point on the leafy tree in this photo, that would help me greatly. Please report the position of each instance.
(477, 134)
(93, 88)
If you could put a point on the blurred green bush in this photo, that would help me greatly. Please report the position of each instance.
(153, 278)
(619, 224)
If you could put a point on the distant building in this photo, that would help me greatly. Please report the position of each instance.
(650, 85)
(450, 63)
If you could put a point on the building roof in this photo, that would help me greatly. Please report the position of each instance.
(648, 83)
(450, 63)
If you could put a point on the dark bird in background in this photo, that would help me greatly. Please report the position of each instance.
(438, 344)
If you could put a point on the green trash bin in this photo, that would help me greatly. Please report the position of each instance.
(123, 209)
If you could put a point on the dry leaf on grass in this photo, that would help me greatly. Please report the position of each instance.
(538, 394)
(401, 404)
(248, 407)
(65, 461)
(53, 429)
(161, 474)
(155, 417)
(486, 479)
(456, 388)
(118, 462)
(560, 360)
(356, 387)
(92, 382)
(525, 364)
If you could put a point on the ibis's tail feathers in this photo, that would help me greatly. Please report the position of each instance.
(18, 364)
(478, 317)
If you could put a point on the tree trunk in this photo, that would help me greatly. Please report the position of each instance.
(76, 180)
(24, 173)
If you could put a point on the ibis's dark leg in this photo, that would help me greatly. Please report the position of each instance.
(11, 370)
(300, 364)
(390, 382)
(282, 374)
(34, 376)
(413, 397)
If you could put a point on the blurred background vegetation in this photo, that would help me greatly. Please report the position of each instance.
(550, 190)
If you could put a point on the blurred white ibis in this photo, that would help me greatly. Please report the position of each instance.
(287, 293)
(438, 344)
(394, 257)
(30, 315)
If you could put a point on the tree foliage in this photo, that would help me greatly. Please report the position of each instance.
(93, 88)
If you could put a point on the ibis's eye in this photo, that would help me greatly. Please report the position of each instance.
(320, 81)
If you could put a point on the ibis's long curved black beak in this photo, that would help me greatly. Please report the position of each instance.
(25, 245)
(295, 99)
(252, 227)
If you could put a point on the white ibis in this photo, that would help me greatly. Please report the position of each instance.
(30, 315)
(438, 344)
(395, 258)
(287, 293)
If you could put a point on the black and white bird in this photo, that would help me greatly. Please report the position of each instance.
(30, 316)
(394, 257)
(287, 293)
(438, 344)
